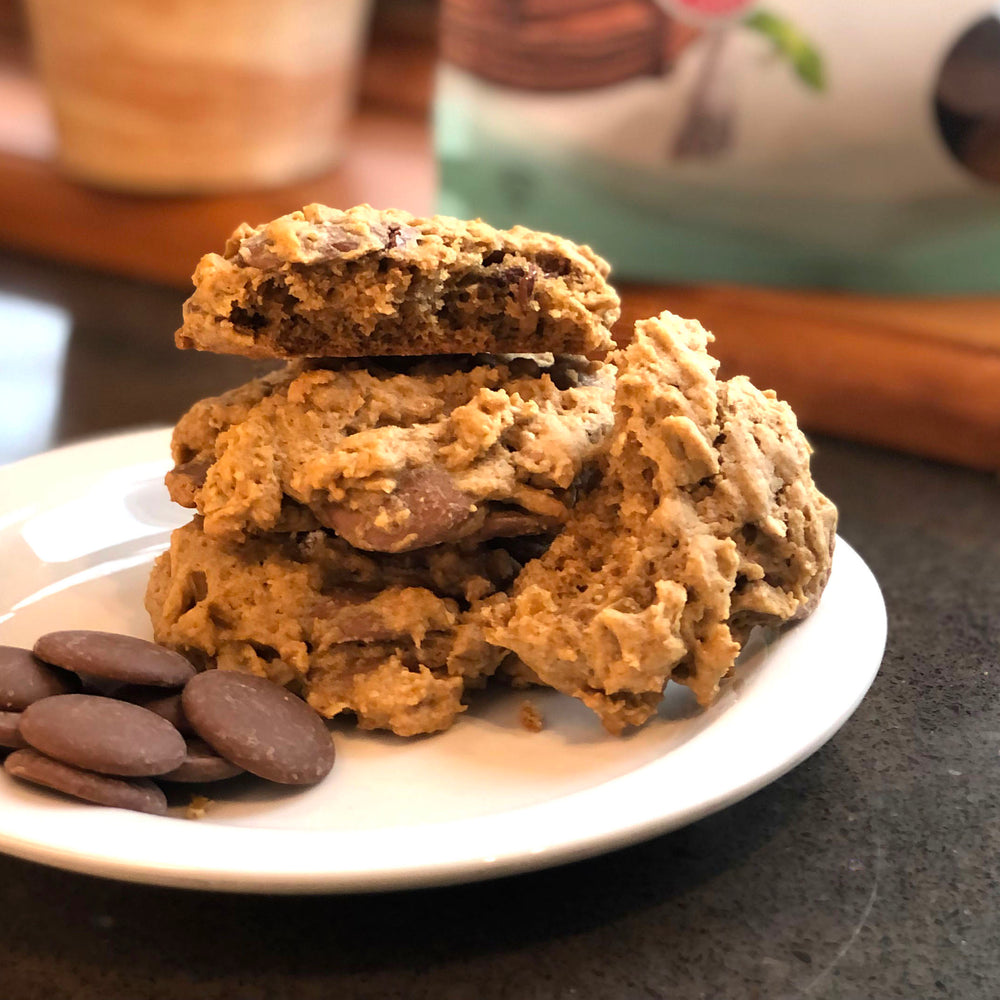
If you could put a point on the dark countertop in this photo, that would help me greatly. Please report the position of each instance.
(870, 871)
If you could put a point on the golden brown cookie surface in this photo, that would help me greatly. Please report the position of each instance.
(392, 639)
(705, 523)
(394, 459)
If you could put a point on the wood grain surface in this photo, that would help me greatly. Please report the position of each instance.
(914, 374)
(921, 375)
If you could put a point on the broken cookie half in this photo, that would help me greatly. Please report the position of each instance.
(322, 282)
(706, 523)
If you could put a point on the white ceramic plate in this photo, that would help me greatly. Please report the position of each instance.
(78, 530)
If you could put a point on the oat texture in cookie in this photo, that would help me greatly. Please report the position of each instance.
(397, 454)
(323, 282)
(393, 639)
(706, 522)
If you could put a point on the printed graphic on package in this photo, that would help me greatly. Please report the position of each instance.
(793, 143)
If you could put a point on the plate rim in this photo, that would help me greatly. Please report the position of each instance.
(434, 866)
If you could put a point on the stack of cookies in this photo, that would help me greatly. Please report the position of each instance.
(440, 486)
(436, 421)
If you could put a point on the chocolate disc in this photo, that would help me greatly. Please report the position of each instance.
(10, 735)
(260, 726)
(114, 657)
(202, 763)
(137, 793)
(92, 684)
(165, 705)
(24, 679)
(104, 735)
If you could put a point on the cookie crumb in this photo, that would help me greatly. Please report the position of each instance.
(197, 807)
(531, 718)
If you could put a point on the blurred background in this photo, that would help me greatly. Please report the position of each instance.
(817, 183)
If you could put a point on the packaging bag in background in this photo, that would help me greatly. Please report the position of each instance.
(853, 144)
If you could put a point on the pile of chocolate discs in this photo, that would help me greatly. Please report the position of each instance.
(105, 718)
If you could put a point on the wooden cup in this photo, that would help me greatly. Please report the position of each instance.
(175, 96)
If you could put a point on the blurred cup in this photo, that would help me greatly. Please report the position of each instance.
(174, 96)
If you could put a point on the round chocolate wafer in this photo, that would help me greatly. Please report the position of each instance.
(10, 735)
(167, 705)
(114, 657)
(200, 764)
(103, 735)
(123, 793)
(25, 679)
(262, 727)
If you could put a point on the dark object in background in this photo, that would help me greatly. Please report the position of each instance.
(967, 99)
(560, 44)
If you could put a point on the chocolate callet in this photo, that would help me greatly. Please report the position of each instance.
(108, 655)
(10, 734)
(553, 264)
(246, 319)
(184, 481)
(510, 523)
(200, 764)
(25, 679)
(103, 735)
(426, 508)
(167, 705)
(137, 793)
(260, 726)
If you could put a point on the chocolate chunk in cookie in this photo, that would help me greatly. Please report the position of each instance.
(425, 507)
(201, 764)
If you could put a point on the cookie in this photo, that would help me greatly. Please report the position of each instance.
(396, 454)
(392, 639)
(706, 522)
(359, 283)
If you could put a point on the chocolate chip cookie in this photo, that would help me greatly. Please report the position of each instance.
(706, 522)
(393, 639)
(359, 283)
(397, 454)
